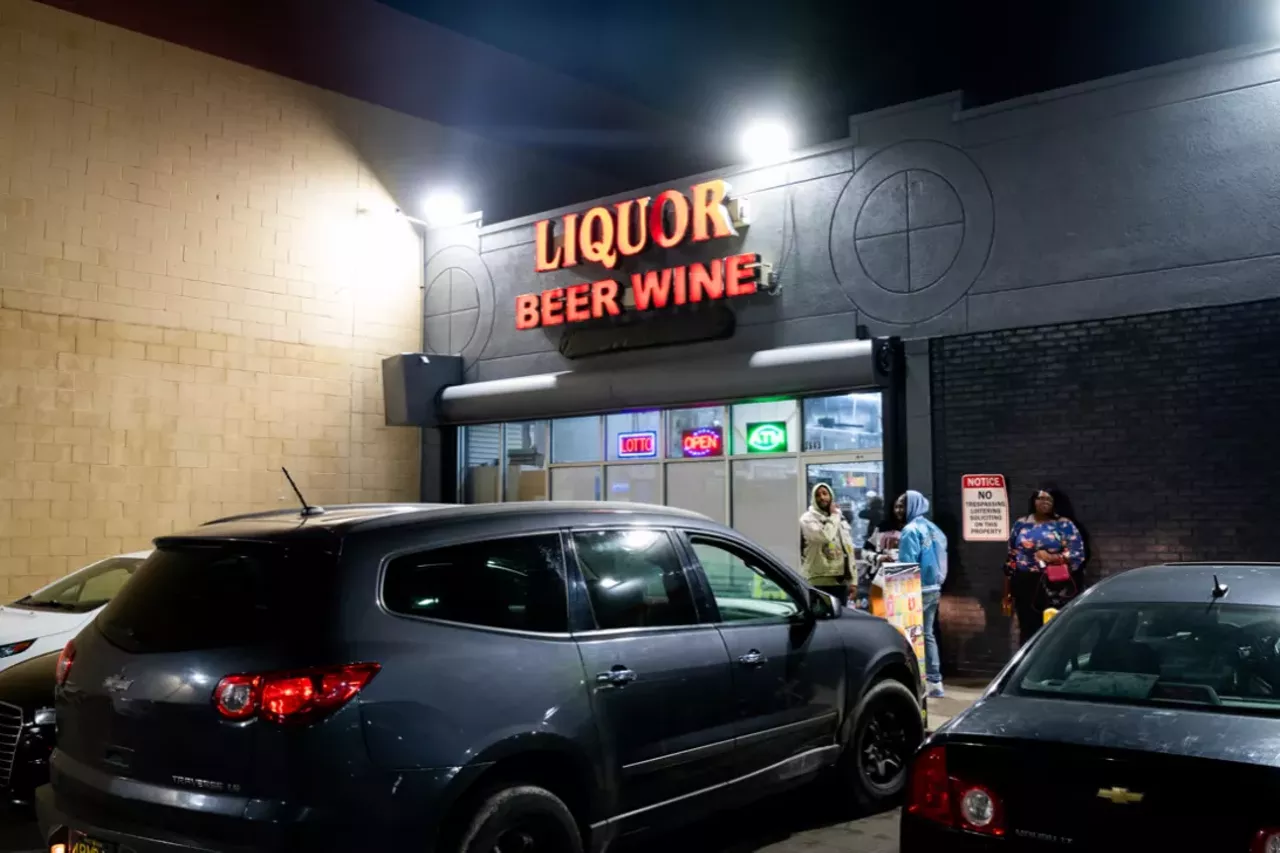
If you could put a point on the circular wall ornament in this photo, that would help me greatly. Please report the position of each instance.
(912, 231)
(458, 304)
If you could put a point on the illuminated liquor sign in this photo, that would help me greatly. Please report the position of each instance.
(606, 235)
(637, 445)
(767, 437)
(702, 442)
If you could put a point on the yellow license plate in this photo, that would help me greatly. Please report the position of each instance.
(80, 843)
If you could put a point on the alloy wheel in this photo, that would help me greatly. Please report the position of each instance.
(883, 746)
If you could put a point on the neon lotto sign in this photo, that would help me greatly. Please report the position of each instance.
(606, 235)
(638, 445)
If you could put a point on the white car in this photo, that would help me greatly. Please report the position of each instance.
(43, 621)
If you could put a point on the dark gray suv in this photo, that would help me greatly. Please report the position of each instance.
(535, 677)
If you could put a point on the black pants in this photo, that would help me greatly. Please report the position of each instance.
(840, 591)
(1029, 602)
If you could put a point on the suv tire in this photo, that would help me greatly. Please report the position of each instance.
(521, 818)
(887, 730)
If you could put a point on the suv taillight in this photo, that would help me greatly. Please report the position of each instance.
(1266, 841)
(300, 696)
(63, 669)
(937, 796)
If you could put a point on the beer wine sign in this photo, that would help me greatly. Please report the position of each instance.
(606, 235)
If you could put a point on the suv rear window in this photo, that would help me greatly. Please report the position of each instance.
(516, 583)
(202, 595)
(1222, 656)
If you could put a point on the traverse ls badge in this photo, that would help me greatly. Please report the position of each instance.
(1120, 796)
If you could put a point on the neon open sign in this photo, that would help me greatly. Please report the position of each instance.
(637, 445)
(701, 442)
(767, 437)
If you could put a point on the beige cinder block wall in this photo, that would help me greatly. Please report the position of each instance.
(190, 296)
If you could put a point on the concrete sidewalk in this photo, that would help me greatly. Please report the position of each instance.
(960, 695)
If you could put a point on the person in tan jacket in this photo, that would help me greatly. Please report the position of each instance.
(827, 554)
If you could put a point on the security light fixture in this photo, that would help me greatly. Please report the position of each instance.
(766, 141)
(443, 207)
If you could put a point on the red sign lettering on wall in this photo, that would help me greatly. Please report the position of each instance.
(604, 235)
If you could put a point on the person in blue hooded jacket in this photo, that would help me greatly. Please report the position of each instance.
(925, 544)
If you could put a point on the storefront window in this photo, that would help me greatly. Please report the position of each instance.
(700, 487)
(482, 454)
(858, 488)
(769, 426)
(633, 435)
(764, 494)
(576, 484)
(576, 439)
(696, 433)
(526, 461)
(843, 422)
(633, 483)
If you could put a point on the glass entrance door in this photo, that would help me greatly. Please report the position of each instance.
(855, 485)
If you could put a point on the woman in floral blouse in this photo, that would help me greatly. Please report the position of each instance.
(1041, 545)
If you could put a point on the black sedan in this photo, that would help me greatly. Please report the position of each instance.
(1146, 716)
(26, 727)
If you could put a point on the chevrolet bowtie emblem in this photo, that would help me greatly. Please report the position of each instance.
(1119, 796)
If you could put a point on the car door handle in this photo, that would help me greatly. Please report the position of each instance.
(752, 658)
(616, 677)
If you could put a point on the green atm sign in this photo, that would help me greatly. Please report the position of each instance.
(767, 437)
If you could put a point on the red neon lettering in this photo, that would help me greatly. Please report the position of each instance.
(596, 237)
(703, 441)
(571, 240)
(740, 279)
(544, 260)
(706, 283)
(627, 218)
(652, 289)
(527, 311)
(710, 216)
(577, 303)
(679, 219)
(604, 298)
(636, 445)
(552, 306)
(681, 275)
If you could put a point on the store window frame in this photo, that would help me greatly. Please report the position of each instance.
(804, 457)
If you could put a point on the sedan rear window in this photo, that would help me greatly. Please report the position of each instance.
(1187, 654)
(204, 595)
(85, 590)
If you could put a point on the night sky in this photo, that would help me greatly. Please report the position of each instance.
(717, 63)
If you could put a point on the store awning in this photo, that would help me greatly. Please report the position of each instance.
(802, 369)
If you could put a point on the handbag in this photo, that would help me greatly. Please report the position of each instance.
(1057, 573)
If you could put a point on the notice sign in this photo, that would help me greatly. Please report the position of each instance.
(986, 508)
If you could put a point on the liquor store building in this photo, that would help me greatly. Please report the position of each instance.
(1077, 288)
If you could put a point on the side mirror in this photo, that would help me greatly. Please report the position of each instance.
(822, 605)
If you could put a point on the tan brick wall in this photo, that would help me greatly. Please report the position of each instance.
(198, 277)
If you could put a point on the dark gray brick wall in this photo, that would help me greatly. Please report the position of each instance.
(1161, 429)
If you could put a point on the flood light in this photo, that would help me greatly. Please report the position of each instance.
(443, 207)
(766, 141)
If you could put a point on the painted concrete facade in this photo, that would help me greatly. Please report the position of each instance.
(1142, 193)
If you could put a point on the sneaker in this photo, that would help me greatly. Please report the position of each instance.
(936, 691)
